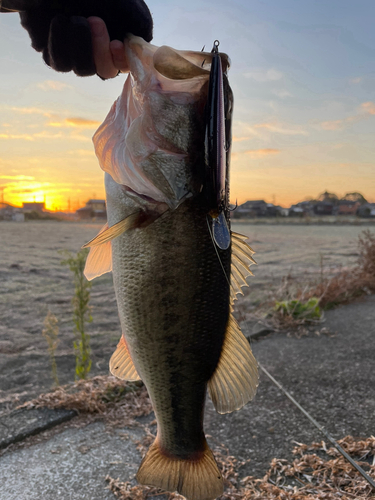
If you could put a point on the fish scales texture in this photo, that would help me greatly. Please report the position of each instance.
(173, 304)
(171, 282)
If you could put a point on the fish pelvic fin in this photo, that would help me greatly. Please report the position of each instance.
(121, 364)
(104, 236)
(242, 259)
(195, 479)
(99, 259)
(236, 378)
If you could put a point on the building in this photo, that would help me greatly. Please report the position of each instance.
(28, 207)
(347, 207)
(93, 208)
(302, 209)
(251, 208)
(366, 210)
(324, 208)
(9, 212)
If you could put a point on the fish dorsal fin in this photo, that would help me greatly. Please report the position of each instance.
(99, 259)
(235, 380)
(121, 364)
(242, 259)
(130, 222)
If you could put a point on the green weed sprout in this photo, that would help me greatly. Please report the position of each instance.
(50, 332)
(81, 312)
(308, 311)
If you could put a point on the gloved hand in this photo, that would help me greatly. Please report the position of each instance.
(60, 29)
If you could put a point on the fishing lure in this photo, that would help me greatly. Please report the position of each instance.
(217, 153)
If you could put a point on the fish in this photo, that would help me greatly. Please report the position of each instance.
(177, 267)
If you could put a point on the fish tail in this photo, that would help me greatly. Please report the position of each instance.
(196, 479)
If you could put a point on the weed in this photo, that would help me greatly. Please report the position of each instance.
(307, 311)
(50, 332)
(81, 312)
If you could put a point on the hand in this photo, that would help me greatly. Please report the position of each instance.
(72, 40)
(109, 56)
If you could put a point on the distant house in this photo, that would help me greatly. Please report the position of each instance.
(28, 207)
(347, 207)
(366, 210)
(324, 208)
(10, 212)
(303, 208)
(93, 208)
(251, 208)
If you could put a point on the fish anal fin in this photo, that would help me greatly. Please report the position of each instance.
(235, 380)
(196, 479)
(121, 364)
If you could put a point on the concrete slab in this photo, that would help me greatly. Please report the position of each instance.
(331, 376)
(70, 466)
(23, 423)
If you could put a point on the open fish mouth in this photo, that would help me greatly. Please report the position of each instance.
(136, 145)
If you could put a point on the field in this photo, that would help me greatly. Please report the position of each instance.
(32, 281)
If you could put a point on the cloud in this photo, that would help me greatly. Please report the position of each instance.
(265, 130)
(31, 111)
(282, 93)
(44, 134)
(260, 153)
(355, 80)
(83, 152)
(25, 137)
(75, 122)
(262, 75)
(366, 109)
(53, 85)
(17, 177)
(239, 139)
(280, 128)
(340, 124)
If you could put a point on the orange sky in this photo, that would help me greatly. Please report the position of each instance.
(304, 111)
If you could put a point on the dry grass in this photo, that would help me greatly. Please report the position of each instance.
(342, 288)
(350, 284)
(308, 477)
(118, 402)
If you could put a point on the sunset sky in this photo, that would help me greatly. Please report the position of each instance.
(303, 76)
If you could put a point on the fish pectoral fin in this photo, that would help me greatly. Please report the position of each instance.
(242, 259)
(195, 479)
(99, 259)
(131, 222)
(121, 364)
(235, 380)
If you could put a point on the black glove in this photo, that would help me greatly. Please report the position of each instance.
(59, 29)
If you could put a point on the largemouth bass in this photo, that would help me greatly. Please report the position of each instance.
(175, 276)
